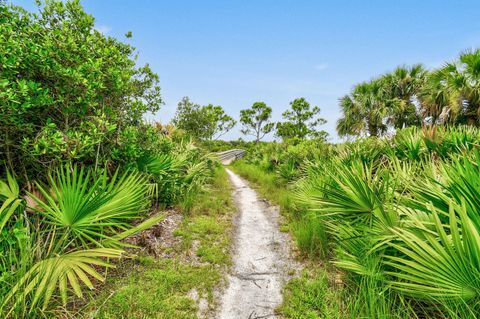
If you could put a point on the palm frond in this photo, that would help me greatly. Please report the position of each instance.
(63, 273)
(91, 211)
(440, 265)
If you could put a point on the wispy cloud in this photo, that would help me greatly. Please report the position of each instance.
(321, 66)
(105, 29)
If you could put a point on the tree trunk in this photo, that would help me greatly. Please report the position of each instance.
(472, 117)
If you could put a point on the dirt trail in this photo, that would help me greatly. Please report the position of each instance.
(261, 260)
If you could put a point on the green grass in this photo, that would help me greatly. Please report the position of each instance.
(267, 184)
(311, 237)
(159, 288)
(208, 231)
(311, 296)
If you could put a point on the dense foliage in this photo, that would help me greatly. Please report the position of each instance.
(412, 96)
(83, 169)
(80, 171)
(67, 92)
(399, 216)
(202, 122)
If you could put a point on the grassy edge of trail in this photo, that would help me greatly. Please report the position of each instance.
(149, 287)
(321, 291)
(316, 292)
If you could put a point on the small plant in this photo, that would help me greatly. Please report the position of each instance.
(74, 225)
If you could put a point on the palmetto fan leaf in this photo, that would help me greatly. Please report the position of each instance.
(464, 184)
(355, 193)
(67, 272)
(459, 182)
(90, 211)
(159, 165)
(9, 199)
(196, 173)
(409, 144)
(355, 250)
(165, 170)
(444, 264)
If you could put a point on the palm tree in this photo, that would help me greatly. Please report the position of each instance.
(465, 79)
(436, 101)
(452, 92)
(364, 111)
(352, 122)
(400, 89)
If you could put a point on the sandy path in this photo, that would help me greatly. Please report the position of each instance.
(261, 258)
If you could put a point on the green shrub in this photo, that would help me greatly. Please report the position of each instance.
(68, 92)
(404, 225)
(61, 234)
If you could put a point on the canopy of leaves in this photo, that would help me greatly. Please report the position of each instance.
(451, 93)
(410, 96)
(364, 111)
(220, 122)
(256, 120)
(301, 121)
(66, 88)
(202, 122)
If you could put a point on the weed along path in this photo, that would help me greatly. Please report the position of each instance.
(261, 258)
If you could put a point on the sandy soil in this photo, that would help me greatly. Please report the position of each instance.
(261, 258)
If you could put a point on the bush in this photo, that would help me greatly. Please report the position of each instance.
(402, 221)
(399, 216)
(83, 167)
(68, 92)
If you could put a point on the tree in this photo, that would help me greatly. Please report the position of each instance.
(364, 111)
(468, 75)
(66, 90)
(400, 91)
(409, 96)
(219, 122)
(191, 118)
(455, 88)
(390, 100)
(437, 103)
(301, 121)
(256, 120)
(203, 122)
(352, 122)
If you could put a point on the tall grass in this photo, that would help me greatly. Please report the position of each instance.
(268, 183)
(311, 237)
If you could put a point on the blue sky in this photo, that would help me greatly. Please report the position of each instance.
(233, 53)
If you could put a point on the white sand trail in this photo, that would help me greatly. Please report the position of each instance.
(261, 260)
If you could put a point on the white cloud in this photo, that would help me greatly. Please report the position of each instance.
(105, 29)
(321, 66)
